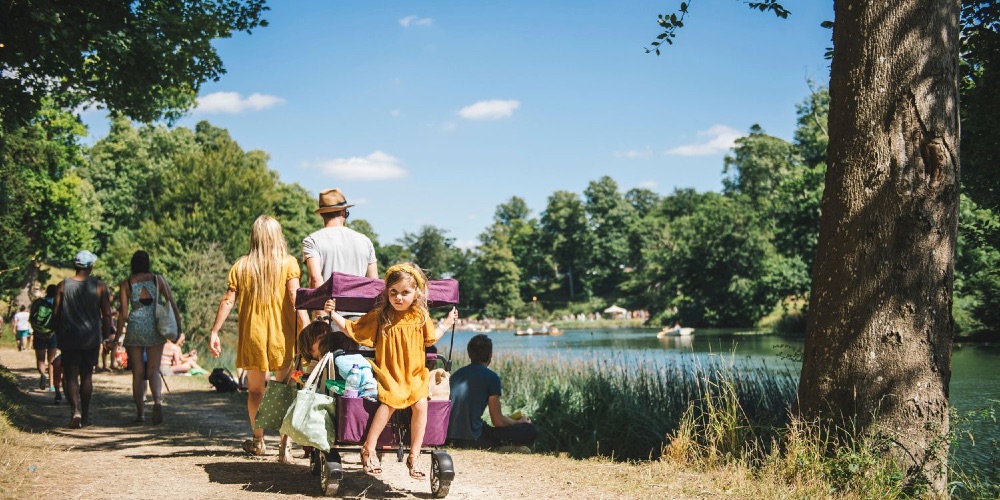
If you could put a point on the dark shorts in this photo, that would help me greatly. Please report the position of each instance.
(86, 359)
(492, 437)
(42, 345)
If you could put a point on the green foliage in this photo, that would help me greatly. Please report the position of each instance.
(715, 266)
(672, 22)
(566, 238)
(977, 269)
(616, 407)
(431, 250)
(213, 193)
(610, 218)
(145, 59)
(535, 266)
(980, 78)
(755, 169)
(500, 273)
(34, 159)
(72, 216)
(199, 286)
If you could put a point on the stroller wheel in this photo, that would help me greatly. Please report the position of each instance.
(442, 472)
(314, 462)
(330, 475)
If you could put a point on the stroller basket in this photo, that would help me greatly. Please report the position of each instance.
(354, 415)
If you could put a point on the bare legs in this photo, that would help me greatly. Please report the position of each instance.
(379, 421)
(256, 382)
(256, 379)
(79, 389)
(44, 359)
(143, 370)
(418, 427)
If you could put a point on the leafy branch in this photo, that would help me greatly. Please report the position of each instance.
(670, 23)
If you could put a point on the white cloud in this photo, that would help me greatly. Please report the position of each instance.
(634, 154)
(448, 126)
(489, 110)
(395, 113)
(721, 139)
(650, 184)
(377, 166)
(408, 21)
(233, 103)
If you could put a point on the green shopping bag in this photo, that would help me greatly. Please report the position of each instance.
(277, 398)
(309, 420)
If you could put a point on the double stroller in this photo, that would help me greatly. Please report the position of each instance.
(354, 415)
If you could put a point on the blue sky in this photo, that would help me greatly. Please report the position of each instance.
(436, 112)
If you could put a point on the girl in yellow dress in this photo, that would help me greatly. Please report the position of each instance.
(264, 282)
(399, 328)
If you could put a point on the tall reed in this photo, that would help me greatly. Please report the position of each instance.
(625, 407)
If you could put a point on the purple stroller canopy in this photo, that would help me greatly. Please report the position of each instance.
(358, 293)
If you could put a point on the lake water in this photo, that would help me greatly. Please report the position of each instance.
(975, 368)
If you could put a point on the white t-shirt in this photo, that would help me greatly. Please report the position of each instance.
(21, 321)
(339, 249)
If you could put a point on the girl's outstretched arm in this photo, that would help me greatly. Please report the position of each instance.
(446, 323)
(330, 308)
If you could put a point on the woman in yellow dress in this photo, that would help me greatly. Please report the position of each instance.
(399, 328)
(263, 283)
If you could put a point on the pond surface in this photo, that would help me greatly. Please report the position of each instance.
(974, 384)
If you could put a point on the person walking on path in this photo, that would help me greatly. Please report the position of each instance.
(264, 282)
(83, 318)
(399, 328)
(22, 328)
(337, 247)
(137, 306)
(43, 338)
(474, 388)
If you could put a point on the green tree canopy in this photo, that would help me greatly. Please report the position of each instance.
(144, 58)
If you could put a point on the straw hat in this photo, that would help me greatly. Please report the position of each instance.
(332, 200)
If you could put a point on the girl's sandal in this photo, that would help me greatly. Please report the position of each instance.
(415, 473)
(370, 463)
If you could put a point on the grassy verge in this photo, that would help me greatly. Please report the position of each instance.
(14, 466)
(707, 415)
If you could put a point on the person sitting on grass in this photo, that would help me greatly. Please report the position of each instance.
(174, 361)
(475, 387)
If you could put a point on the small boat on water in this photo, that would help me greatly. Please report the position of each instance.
(675, 330)
(544, 331)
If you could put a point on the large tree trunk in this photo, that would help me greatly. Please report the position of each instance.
(877, 359)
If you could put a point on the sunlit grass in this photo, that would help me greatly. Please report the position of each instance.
(614, 406)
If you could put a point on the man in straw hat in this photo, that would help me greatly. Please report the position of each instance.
(337, 247)
(83, 319)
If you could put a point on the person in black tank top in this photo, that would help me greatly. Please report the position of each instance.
(83, 320)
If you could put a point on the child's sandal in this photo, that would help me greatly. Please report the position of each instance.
(370, 463)
(415, 473)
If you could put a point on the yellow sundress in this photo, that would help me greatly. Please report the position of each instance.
(266, 339)
(400, 367)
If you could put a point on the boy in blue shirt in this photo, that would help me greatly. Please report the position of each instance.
(474, 388)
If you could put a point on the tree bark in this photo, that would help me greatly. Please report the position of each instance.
(877, 358)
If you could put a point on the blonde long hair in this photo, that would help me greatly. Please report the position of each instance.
(409, 272)
(266, 259)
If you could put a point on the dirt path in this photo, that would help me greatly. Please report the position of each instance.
(195, 454)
